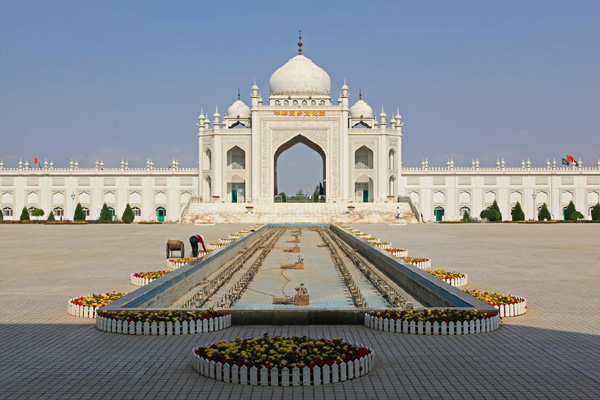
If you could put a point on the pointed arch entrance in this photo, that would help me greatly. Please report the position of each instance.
(300, 139)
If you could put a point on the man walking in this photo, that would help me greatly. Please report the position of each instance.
(194, 242)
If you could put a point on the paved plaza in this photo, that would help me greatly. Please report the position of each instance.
(553, 351)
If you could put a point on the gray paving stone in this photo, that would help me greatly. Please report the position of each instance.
(553, 351)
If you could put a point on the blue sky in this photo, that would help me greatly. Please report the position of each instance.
(472, 79)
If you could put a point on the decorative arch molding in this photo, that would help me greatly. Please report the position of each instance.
(464, 197)
(516, 197)
(160, 197)
(490, 197)
(439, 197)
(84, 198)
(7, 198)
(593, 198)
(135, 197)
(58, 198)
(414, 196)
(566, 197)
(110, 198)
(33, 198)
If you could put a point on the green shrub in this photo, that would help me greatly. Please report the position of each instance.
(79, 214)
(1, 216)
(570, 214)
(105, 214)
(596, 212)
(517, 213)
(544, 213)
(51, 216)
(24, 215)
(128, 215)
(37, 212)
(492, 213)
(466, 217)
(576, 216)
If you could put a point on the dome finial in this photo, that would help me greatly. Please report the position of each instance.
(360, 94)
(238, 93)
(299, 41)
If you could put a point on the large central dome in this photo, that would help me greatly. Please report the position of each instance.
(300, 76)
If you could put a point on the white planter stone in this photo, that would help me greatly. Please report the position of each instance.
(459, 328)
(177, 328)
(513, 310)
(77, 310)
(284, 376)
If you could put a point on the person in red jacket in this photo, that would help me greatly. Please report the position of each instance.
(194, 242)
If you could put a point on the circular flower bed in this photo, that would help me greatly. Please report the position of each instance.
(453, 278)
(175, 263)
(397, 252)
(422, 263)
(283, 361)
(507, 304)
(433, 322)
(144, 278)
(164, 322)
(86, 306)
(381, 245)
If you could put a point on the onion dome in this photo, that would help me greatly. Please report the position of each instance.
(361, 109)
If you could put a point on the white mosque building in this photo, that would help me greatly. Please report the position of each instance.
(362, 163)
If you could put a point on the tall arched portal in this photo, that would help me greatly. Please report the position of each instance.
(304, 165)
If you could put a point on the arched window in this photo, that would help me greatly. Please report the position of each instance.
(322, 103)
(392, 160)
(363, 158)
(286, 103)
(392, 186)
(277, 103)
(236, 158)
(313, 103)
(137, 211)
(207, 159)
(295, 102)
(58, 212)
(304, 102)
(7, 212)
(464, 210)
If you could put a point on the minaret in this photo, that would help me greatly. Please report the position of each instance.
(382, 119)
(216, 119)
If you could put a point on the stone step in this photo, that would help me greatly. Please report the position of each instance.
(298, 212)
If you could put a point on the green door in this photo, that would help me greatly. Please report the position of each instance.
(160, 214)
(564, 213)
(365, 196)
(439, 214)
(112, 213)
(234, 196)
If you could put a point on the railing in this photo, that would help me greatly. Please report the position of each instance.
(415, 210)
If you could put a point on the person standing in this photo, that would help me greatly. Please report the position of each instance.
(194, 239)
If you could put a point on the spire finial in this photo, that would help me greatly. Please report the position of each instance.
(299, 41)
(238, 93)
(360, 94)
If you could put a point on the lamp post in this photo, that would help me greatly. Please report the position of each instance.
(73, 198)
(534, 194)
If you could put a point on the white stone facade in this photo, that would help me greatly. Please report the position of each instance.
(362, 162)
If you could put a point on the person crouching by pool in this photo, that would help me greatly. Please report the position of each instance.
(194, 242)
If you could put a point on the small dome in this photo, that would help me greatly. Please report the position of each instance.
(300, 76)
(238, 110)
(361, 109)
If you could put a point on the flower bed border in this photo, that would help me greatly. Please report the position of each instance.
(163, 328)
(80, 311)
(138, 281)
(514, 309)
(436, 328)
(285, 376)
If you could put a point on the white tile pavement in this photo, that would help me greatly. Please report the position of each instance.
(553, 351)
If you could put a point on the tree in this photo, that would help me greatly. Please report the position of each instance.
(128, 215)
(492, 213)
(79, 214)
(570, 213)
(517, 213)
(24, 215)
(51, 216)
(105, 214)
(544, 213)
(283, 197)
(37, 212)
(466, 217)
(1, 215)
(596, 212)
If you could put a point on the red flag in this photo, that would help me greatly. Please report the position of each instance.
(570, 158)
(35, 160)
